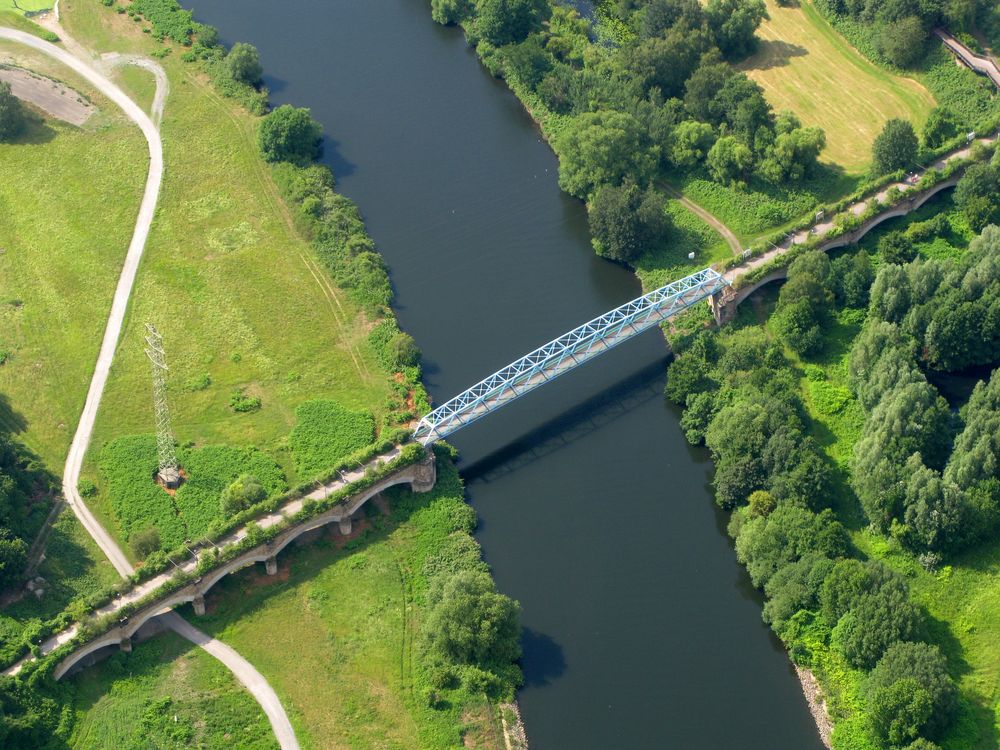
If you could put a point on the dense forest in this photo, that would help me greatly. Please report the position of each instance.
(925, 476)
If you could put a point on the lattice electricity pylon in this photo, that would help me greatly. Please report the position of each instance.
(566, 353)
(169, 473)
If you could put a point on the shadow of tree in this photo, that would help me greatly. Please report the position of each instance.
(775, 53)
(543, 658)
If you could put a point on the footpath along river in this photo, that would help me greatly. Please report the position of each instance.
(641, 631)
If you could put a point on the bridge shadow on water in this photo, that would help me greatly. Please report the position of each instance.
(583, 419)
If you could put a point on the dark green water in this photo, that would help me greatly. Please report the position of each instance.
(641, 629)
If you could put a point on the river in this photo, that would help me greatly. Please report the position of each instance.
(641, 630)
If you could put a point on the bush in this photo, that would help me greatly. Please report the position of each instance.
(326, 432)
(244, 65)
(145, 543)
(241, 494)
(167, 17)
(241, 402)
(290, 134)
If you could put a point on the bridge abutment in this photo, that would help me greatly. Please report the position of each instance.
(199, 605)
(125, 644)
(271, 566)
(345, 524)
(425, 474)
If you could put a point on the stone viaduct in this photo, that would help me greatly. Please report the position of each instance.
(725, 302)
(420, 476)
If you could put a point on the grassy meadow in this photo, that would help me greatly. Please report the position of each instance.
(167, 694)
(804, 65)
(25, 6)
(239, 297)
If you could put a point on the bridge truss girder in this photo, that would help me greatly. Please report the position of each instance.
(566, 353)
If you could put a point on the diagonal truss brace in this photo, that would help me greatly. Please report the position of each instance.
(567, 352)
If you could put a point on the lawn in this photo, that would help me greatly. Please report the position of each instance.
(804, 65)
(26, 6)
(336, 631)
(167, 694)
(238, 295)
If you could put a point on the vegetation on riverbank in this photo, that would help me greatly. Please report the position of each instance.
(841, 406)
(353, 612)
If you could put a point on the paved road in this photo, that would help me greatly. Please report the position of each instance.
(244, 672)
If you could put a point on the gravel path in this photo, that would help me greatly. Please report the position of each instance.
(242, 669)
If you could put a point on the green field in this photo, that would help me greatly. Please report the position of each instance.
(804, 65)
(336, 632)
(25, 6)
(169, 695)
(239, 297)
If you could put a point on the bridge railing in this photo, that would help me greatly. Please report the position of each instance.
(567, 352)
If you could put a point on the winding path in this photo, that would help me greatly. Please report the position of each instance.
(712, 221)
(242, 669)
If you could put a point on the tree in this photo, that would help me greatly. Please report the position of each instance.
(403, 350)
(12, 118)
(766, 544)
(894, 148)
(899, 710)
(794, 587)
(896, 247)
(804, 302)
(503, 22)
(734, 23)
(666, 62)
(977, 195)
(469, 622)
(662, 15)
(528, 61)
(243, 64)
(941, 126)
(290, 134)
(450, 11)
(13, 557)
(703, 87)
(793, 155)
(603, 148)
(626, 221)
(729, 160)
(241, 494)
(935, 509)
(852, 277)
(903, 41)
(877, 621)
(975, 457)
(920, 666)
(692, 141)
(145, 542)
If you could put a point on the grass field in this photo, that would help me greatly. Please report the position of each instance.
(169, 695)
(336, 631)
(804, 65)
(25, 6)
(239, 297)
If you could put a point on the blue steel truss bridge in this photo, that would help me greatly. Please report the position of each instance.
(566, 353)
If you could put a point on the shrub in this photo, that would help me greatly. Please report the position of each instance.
(167, 17)
(326, 432)
(241, 494)
(145, 543)
(909, 674)
(241, 402)
(290, 134)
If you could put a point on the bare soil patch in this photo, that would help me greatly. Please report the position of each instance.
(54, 98)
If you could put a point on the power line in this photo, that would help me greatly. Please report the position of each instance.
(168, 473)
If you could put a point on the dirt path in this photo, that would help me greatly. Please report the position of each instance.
(241, 668)
(244, 672)
(701, 213)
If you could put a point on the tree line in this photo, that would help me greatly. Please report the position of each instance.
(741, 400)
